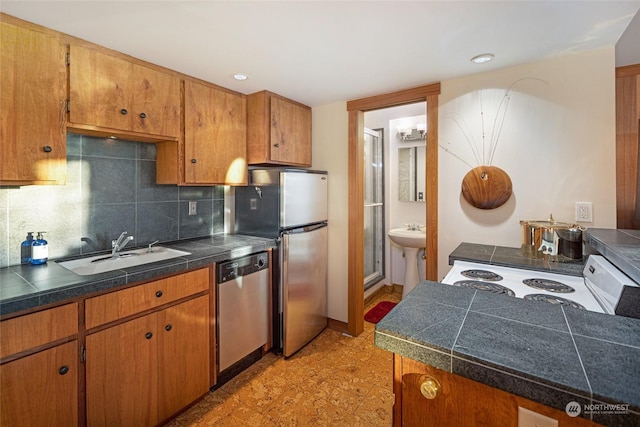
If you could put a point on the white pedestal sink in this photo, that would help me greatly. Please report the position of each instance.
(411, 242)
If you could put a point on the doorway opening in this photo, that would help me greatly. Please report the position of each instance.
(356, 110)
(400, 200)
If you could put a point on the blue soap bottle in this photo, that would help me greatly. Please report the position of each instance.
(25, 249)
(39, 250)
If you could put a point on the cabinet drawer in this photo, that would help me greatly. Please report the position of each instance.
(32, 330)
(120, 304)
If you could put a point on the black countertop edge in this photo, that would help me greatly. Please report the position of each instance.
(24, 287)
(514, 257)
(599, 352)
(620, 247)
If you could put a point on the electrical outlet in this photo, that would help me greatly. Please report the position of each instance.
(527, 418)
(193, 208)
(584, 212)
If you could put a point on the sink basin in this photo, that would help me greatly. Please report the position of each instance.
(411, 241)
(408, 238)
(103, 263)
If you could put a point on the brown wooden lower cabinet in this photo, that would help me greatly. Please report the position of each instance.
(145, 370)
(41, 389)
(459, 401)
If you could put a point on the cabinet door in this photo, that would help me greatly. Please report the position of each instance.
(461, 402)
(100, 89)
(33, 107)
(290, 133)
(156, 102)
(183, 356)
(121, 374)
(215, 136)
(110, 92)
(41, 389)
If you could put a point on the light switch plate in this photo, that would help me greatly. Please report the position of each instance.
(528, 418)
(193, 208)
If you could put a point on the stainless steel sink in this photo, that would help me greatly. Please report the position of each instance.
(103, 263)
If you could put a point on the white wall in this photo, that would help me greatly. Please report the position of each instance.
(557, 145)
(330, 152)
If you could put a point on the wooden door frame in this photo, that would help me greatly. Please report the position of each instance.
(357, 108)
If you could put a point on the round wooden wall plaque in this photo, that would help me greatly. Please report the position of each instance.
(486, 187)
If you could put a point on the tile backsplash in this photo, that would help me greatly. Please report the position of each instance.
(110, 189)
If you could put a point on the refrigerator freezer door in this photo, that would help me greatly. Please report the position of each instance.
(303, 198)
(303, 287)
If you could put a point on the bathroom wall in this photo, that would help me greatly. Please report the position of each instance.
(110, 189)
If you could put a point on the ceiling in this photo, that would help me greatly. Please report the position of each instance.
(320, 52)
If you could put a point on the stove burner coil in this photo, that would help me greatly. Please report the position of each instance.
(554, 300)
(481, 275)
(485, 286)
(548, 285)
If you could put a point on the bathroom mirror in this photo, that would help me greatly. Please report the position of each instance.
(411, 174)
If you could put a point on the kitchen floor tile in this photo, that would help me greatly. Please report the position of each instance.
(335, 380)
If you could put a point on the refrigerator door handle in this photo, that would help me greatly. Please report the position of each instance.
(282, 287)
(305, 229)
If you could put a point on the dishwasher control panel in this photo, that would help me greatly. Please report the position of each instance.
(232, 269)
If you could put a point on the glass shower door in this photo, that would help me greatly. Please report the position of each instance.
(374, 239)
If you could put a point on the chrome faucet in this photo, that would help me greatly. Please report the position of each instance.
(119, 243)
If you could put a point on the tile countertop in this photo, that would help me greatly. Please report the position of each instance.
(25, 287)
(620, 247)
(543, 352)
(512, 257)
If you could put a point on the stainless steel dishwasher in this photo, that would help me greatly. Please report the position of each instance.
(242, 303)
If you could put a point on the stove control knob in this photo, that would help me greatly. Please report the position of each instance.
(429, 387)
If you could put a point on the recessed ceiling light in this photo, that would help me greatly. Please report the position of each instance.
(480, 59)
(240, 76)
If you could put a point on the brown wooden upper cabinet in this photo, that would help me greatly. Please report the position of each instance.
(112, 93)
(32, 111)
(278, 131)
(628, 146)
(215, 123)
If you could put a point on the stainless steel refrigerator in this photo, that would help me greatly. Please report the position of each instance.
(290, 205)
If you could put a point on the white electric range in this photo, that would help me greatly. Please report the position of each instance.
(597, 290)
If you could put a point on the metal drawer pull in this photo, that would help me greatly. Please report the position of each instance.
(159, 294)
(429, 387)
(63, 370)
(148, 335)
(168, 327)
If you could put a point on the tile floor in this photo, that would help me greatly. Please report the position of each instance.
(336, 380)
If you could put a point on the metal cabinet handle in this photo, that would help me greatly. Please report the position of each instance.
(63, 370)
(168, 327)
(148, 335)
(429, 387)
(159, 294)
(143, 116)
(193, 160)
(47, 149)
(276, 145)
(123, 111)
